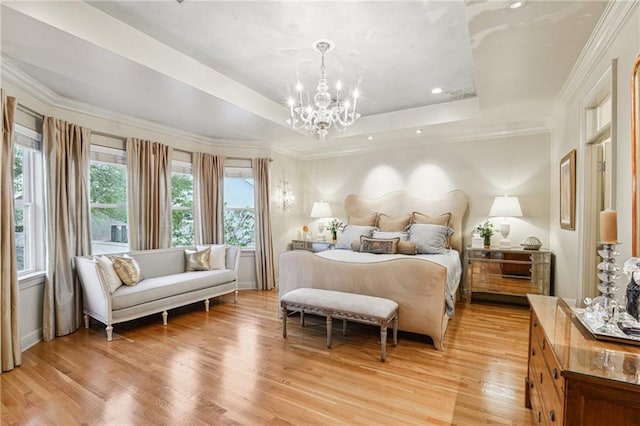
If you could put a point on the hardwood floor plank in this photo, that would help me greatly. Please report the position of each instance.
(231, 366)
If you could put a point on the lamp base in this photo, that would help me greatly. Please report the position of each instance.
(505, 243)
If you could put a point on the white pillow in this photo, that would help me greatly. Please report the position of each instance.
(353, 232)
(404, 236)
(218, 258)
(107, 273)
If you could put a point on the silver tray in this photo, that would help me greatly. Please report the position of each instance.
(613, 335)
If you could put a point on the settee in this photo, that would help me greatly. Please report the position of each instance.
(165, 285)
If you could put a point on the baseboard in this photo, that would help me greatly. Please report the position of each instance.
(247, 285)
(31, 339)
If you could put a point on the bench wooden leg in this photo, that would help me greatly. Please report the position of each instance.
(302, 317)
(383, 342)
(395, 331)
(329, 330)
(206, 305)
(284, 322)
(344, 327)
(109, 333)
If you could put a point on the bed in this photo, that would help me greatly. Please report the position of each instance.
(424, 286)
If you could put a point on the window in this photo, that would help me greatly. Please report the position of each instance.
(29, 200)
(108, 176)
(182, 204)
(239, 214)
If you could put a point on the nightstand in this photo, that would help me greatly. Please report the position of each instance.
(311, 245)
(513, 272)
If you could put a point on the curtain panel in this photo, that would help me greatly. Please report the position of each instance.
(265, 270)
(10, 353)
(208, 200)
(67, 200)
(149, 194)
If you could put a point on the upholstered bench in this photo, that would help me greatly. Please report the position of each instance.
(345, 306)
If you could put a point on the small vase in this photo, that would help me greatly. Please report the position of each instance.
(487, 242)
(334, 236)
(633, 296)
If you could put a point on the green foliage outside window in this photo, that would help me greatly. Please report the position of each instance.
(182, 212)
(239, 226)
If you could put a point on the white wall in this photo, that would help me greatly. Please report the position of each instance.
(483, 169)
(567, 135)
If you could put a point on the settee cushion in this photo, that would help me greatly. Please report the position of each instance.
(152, 289)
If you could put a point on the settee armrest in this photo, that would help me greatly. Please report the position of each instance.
(97, 297)
(233, 259)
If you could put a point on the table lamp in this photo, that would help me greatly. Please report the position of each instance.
(505, 207)
(321, 209)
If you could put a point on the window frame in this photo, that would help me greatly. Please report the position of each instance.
(240, 170)
(179, 167)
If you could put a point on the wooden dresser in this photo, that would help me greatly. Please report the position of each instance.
(573, 379)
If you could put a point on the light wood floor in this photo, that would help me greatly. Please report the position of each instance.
(232, 366)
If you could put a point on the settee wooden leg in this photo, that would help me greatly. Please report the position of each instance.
(206, 305)
(329, 330)
(109, 333)
(164, 317)
(86, 321)
(235, 296)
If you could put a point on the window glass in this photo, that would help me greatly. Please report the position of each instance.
(182, 209)
(28, 200)
(239, 215)
(108, 178)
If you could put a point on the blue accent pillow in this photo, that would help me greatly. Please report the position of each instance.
(430, 239)
(353, 232)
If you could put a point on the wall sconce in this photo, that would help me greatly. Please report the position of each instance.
(287, 199)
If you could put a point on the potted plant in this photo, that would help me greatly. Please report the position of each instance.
(486, 231)
(334, 226)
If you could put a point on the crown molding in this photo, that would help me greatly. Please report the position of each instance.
(614, 18)
(26, 83)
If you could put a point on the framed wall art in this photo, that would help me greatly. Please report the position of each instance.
(568, 191)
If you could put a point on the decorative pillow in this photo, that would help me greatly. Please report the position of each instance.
(127, 269)
(390, 224)
(430, 239)
(218, 258)
(404, 236)
(407, 247)
(355, 244)
(364, 221)
(197, 260)
(379, 245)
(442, 220)
(107, 273)
(352, 232)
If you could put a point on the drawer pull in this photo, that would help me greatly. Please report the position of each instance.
(540, 378)
(555, 373)
(539, 417)
(533, 351)
(544, 344)
(535, 323)
(552, 416)
(530, 384)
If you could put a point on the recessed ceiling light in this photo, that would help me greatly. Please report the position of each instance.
(419, 131)
(515, 4)
(436, 91)
(370, 138)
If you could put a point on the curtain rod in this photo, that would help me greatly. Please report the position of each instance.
(29, 111)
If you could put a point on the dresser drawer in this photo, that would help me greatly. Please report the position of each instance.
(300, 245)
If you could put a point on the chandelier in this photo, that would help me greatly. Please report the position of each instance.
(325, 111)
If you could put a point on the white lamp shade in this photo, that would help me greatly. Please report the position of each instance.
(321, 209)
(506, 207)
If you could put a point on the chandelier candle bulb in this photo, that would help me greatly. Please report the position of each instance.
(609, 226)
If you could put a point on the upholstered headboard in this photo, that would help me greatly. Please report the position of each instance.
(401, 203)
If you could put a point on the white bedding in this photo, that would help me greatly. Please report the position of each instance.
(450, 260)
